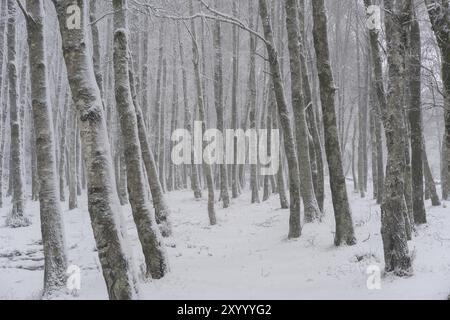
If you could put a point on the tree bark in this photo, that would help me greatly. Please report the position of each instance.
(52, 228)
(202, 117)
(285, 119)
(415, 121)
(103, 204)
(195, 184)
(343, 217)
(312, 211)
(218, 94)
(17, 217)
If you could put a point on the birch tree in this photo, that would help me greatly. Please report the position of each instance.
(312, 211)
(52, 229)
(342, 212)
(284, 114)
(103, 204)
(17, 217)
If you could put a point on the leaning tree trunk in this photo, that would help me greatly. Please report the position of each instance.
(17, 217)
(202, 117)
(312, 211)
(149, 235)
(285, 119)
(218, 94)
(52, 229)
(162, 210)
(343, 217)
(103, 205)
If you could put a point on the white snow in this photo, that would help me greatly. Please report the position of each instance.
(246, 256)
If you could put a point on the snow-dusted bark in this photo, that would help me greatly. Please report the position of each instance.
(155, 122)
(235, 190)
(162, 210)
(393, 208)
(149, 235)
(202, 117)
(315, 147)
(3, 90)
(172, 178)
(17, 217)
(195, 184)
(161, 151)
(96, 46)
(218, 94)
(285, 119)
(72, 161)
(103, 205)
(415, 122)
(62, 147)
(439, 13)
(52, 229)
(312, 211)
(251, 103)
(344, 223)
(430, 185)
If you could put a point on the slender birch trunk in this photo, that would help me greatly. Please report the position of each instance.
(103, 204)
(52, 228)
(17, 217)
(202, 117)
(343, 217)
(415, 121)
(195, 184)
(284, 114)
(218, 94)
(312, 211)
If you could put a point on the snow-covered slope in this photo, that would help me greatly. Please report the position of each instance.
(246, 256)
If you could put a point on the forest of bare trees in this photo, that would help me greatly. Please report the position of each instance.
(353, 95)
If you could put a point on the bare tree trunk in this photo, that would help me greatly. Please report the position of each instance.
(415, 121)
(195, 184)
(156, 122)
(430, 185)
(96, 47)
(17, 217)
(439, 13)
(284, 114)
(162, 210)
(202, 118)
(103, 205)
(312, 211)
(171, 184)
(343, 217)
(234, 103)
(393, 208)
(149, 235)
(218, 94)
(52, 229)
(162, 130)
(72, 161)
(251, 103)
(3, 90)
(62, 147)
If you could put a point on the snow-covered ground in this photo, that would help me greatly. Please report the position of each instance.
(246, 256)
